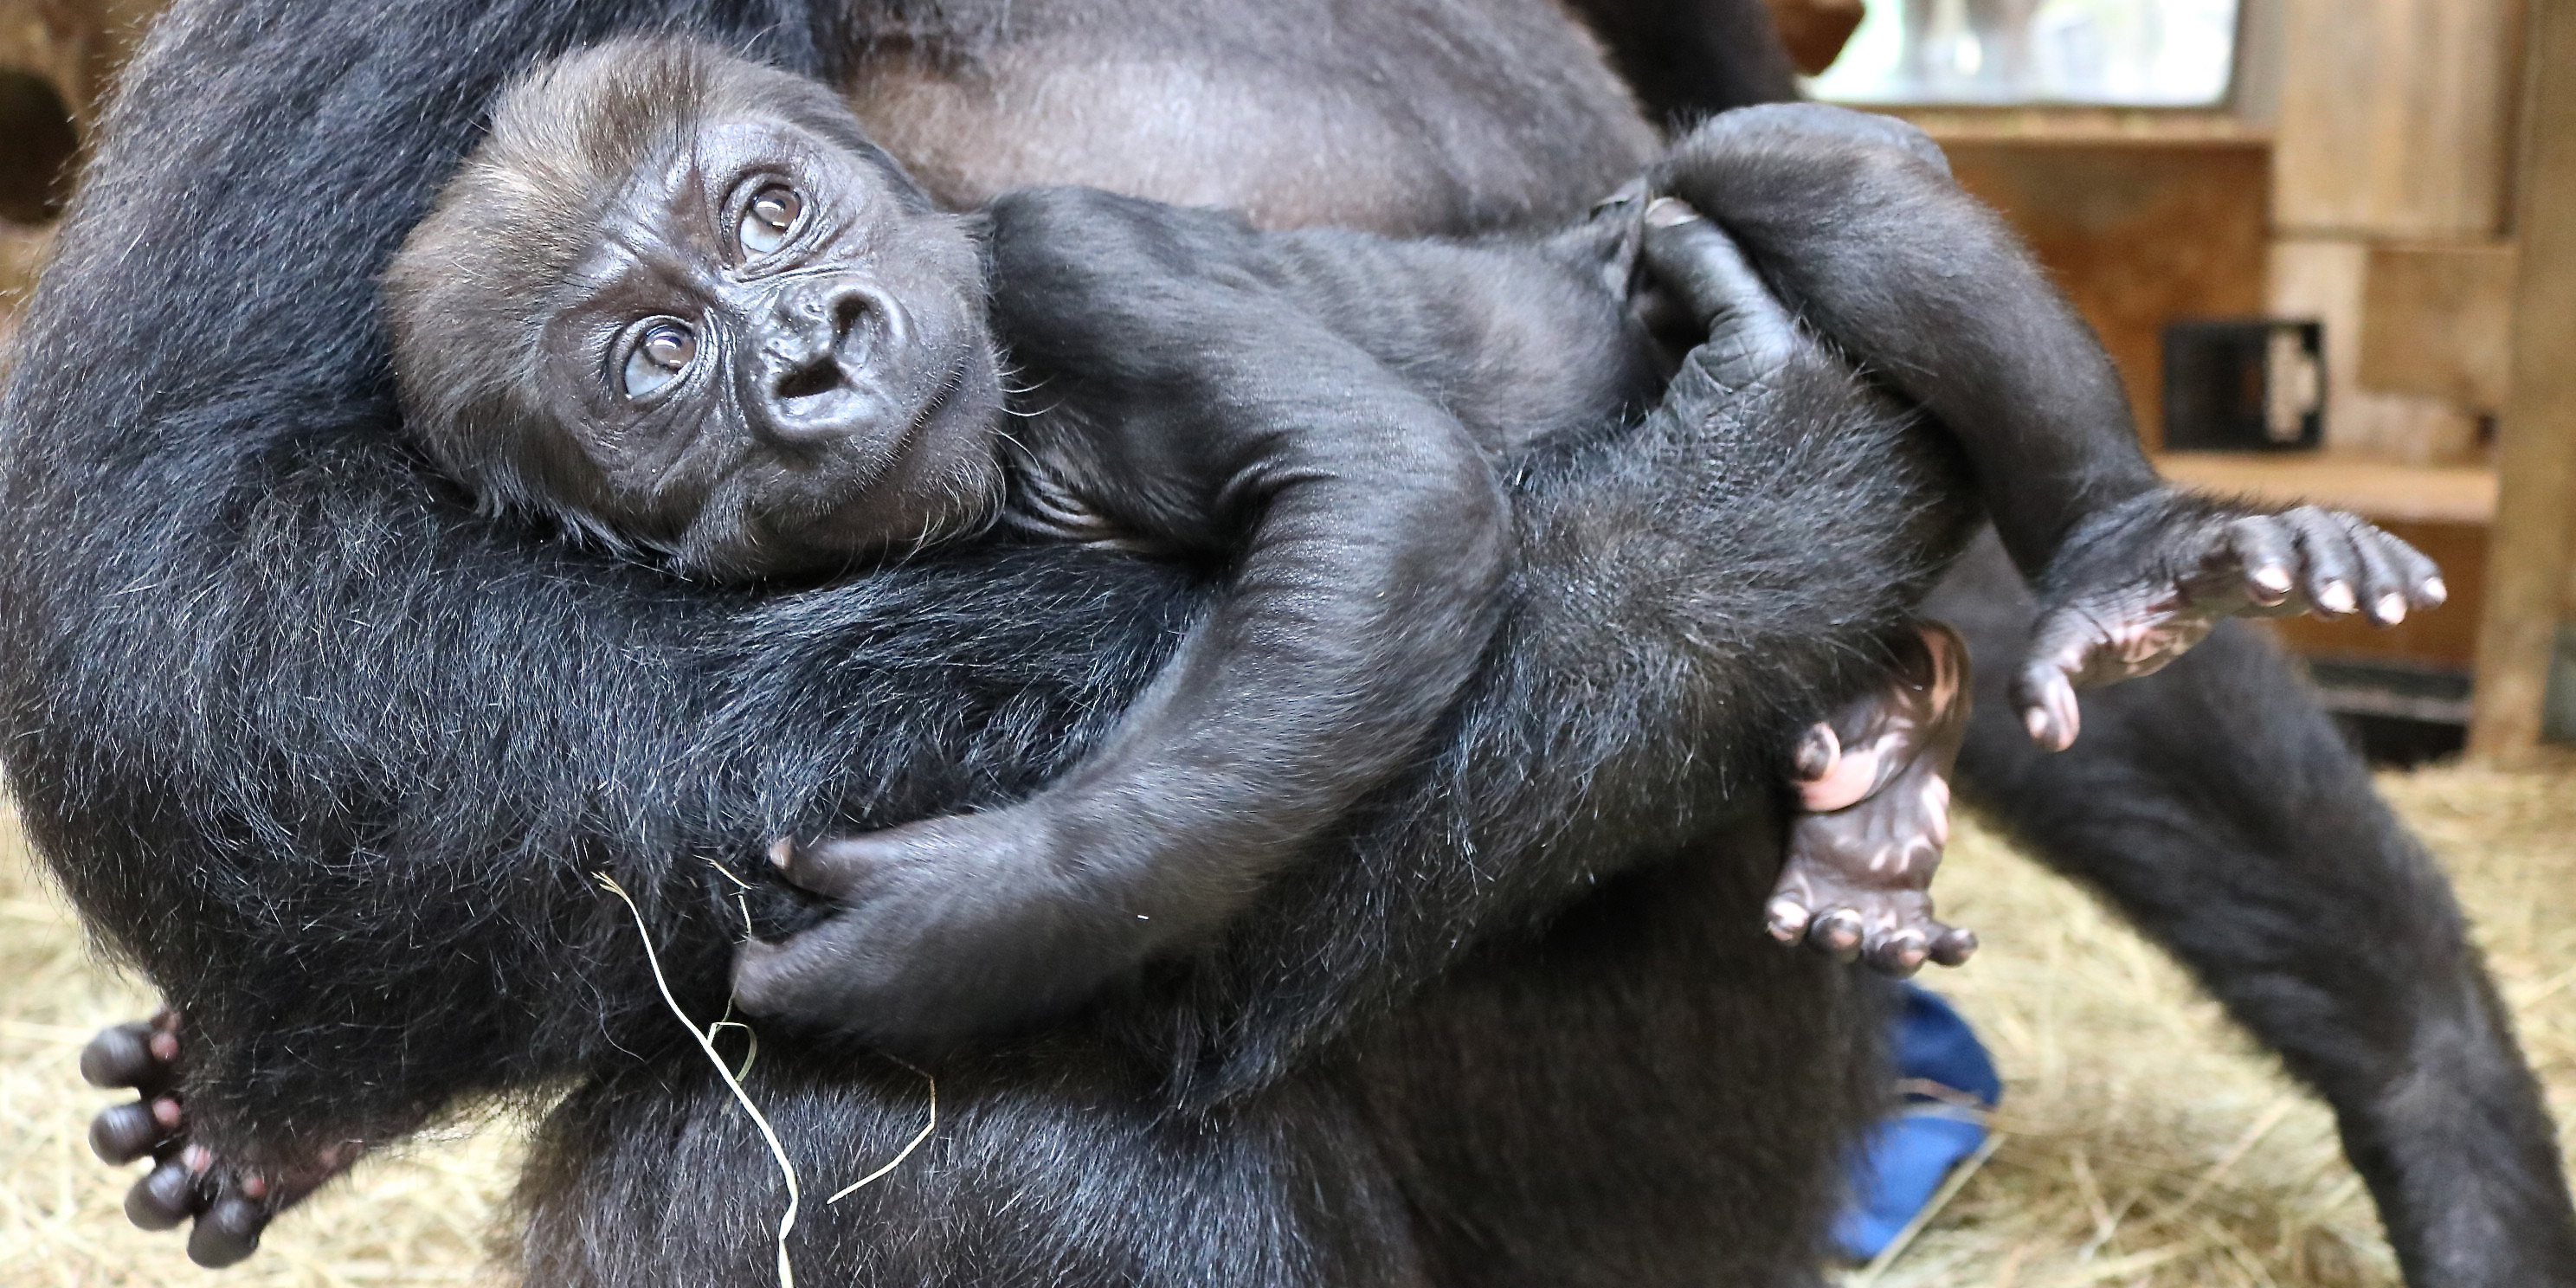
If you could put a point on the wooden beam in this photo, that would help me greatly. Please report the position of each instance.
(2535, 529)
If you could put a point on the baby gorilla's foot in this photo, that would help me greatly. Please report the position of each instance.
(2142, 584)
(1875, 781)
(953, 927)
(231, 1203)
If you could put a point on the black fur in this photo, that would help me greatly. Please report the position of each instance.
(332, 759)
(273, 703)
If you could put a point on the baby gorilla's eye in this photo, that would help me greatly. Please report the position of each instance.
(769, 219)
(659, 352)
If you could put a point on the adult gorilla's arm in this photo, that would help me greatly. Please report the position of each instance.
(334, 761)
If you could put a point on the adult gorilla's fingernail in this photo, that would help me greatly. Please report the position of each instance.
(781, 853)
(1818, 750)
(2435, 591)
(2272, 579)
(2390, 609)
(2337, 597)
(2036, 721)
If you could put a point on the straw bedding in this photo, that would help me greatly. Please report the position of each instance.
(2144, 1142)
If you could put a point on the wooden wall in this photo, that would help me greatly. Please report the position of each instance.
(2138, 232)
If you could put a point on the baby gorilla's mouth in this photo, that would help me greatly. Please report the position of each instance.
(807, 383)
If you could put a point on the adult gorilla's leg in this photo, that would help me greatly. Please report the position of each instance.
(1053, 1164)
(1558, 1100)
(2216, 806)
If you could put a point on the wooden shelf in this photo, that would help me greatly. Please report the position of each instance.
(2070, 124)
(2459, 494)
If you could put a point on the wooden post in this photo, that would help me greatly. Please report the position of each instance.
(2535, 528)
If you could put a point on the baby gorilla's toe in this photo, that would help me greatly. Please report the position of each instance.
(1838, 934)
(1900, 952)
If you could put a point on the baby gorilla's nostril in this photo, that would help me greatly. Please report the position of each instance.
(847, 312)
(811, 380)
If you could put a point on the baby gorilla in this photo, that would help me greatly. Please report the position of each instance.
(679, 301)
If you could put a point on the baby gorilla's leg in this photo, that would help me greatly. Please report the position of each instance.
(230, 1202)
(1875, 781)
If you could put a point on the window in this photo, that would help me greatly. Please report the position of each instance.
(2117, 53)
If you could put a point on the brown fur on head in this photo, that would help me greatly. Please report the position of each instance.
(579, 154)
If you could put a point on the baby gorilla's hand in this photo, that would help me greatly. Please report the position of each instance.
(2148, 580)
(947, 928)
(1875, 783)
(232, 1202)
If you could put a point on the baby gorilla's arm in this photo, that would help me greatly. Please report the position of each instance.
(1190, 403)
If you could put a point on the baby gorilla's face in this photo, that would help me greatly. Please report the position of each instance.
(772, 359)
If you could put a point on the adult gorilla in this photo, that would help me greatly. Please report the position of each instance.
(333, 761)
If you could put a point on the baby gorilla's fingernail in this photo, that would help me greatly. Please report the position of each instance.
(782, 852)
(2435, 591)
(165, 1111)
(165, 1047)
(1669, 212)
(2036, 721)
(196, 1158)
(2337, 597)
(2272, 579)
(2390, 609)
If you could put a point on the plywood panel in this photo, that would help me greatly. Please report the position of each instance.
(2324, 278)
(2436, 322)
(2137, 233)
(2396, 116)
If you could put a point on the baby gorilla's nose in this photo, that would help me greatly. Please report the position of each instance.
(825, 344)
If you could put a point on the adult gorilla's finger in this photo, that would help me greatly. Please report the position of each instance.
(166, 1196)
(123, 1133)
(227, 1232)
(120, 1056)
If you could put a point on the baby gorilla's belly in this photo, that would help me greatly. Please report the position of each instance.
(1380, 123)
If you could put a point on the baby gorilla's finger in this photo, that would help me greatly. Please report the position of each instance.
(2267, 553)
(166, 1196)
(124, 1133)
(832, 869)
(1953, 946)
(1750, 333)
(772, 978)
(2330, 574)
(121, 1056)
(227, 1232)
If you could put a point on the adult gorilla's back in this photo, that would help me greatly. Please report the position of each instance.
(334, 761)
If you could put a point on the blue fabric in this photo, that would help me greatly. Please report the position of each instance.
(1905, 1158)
